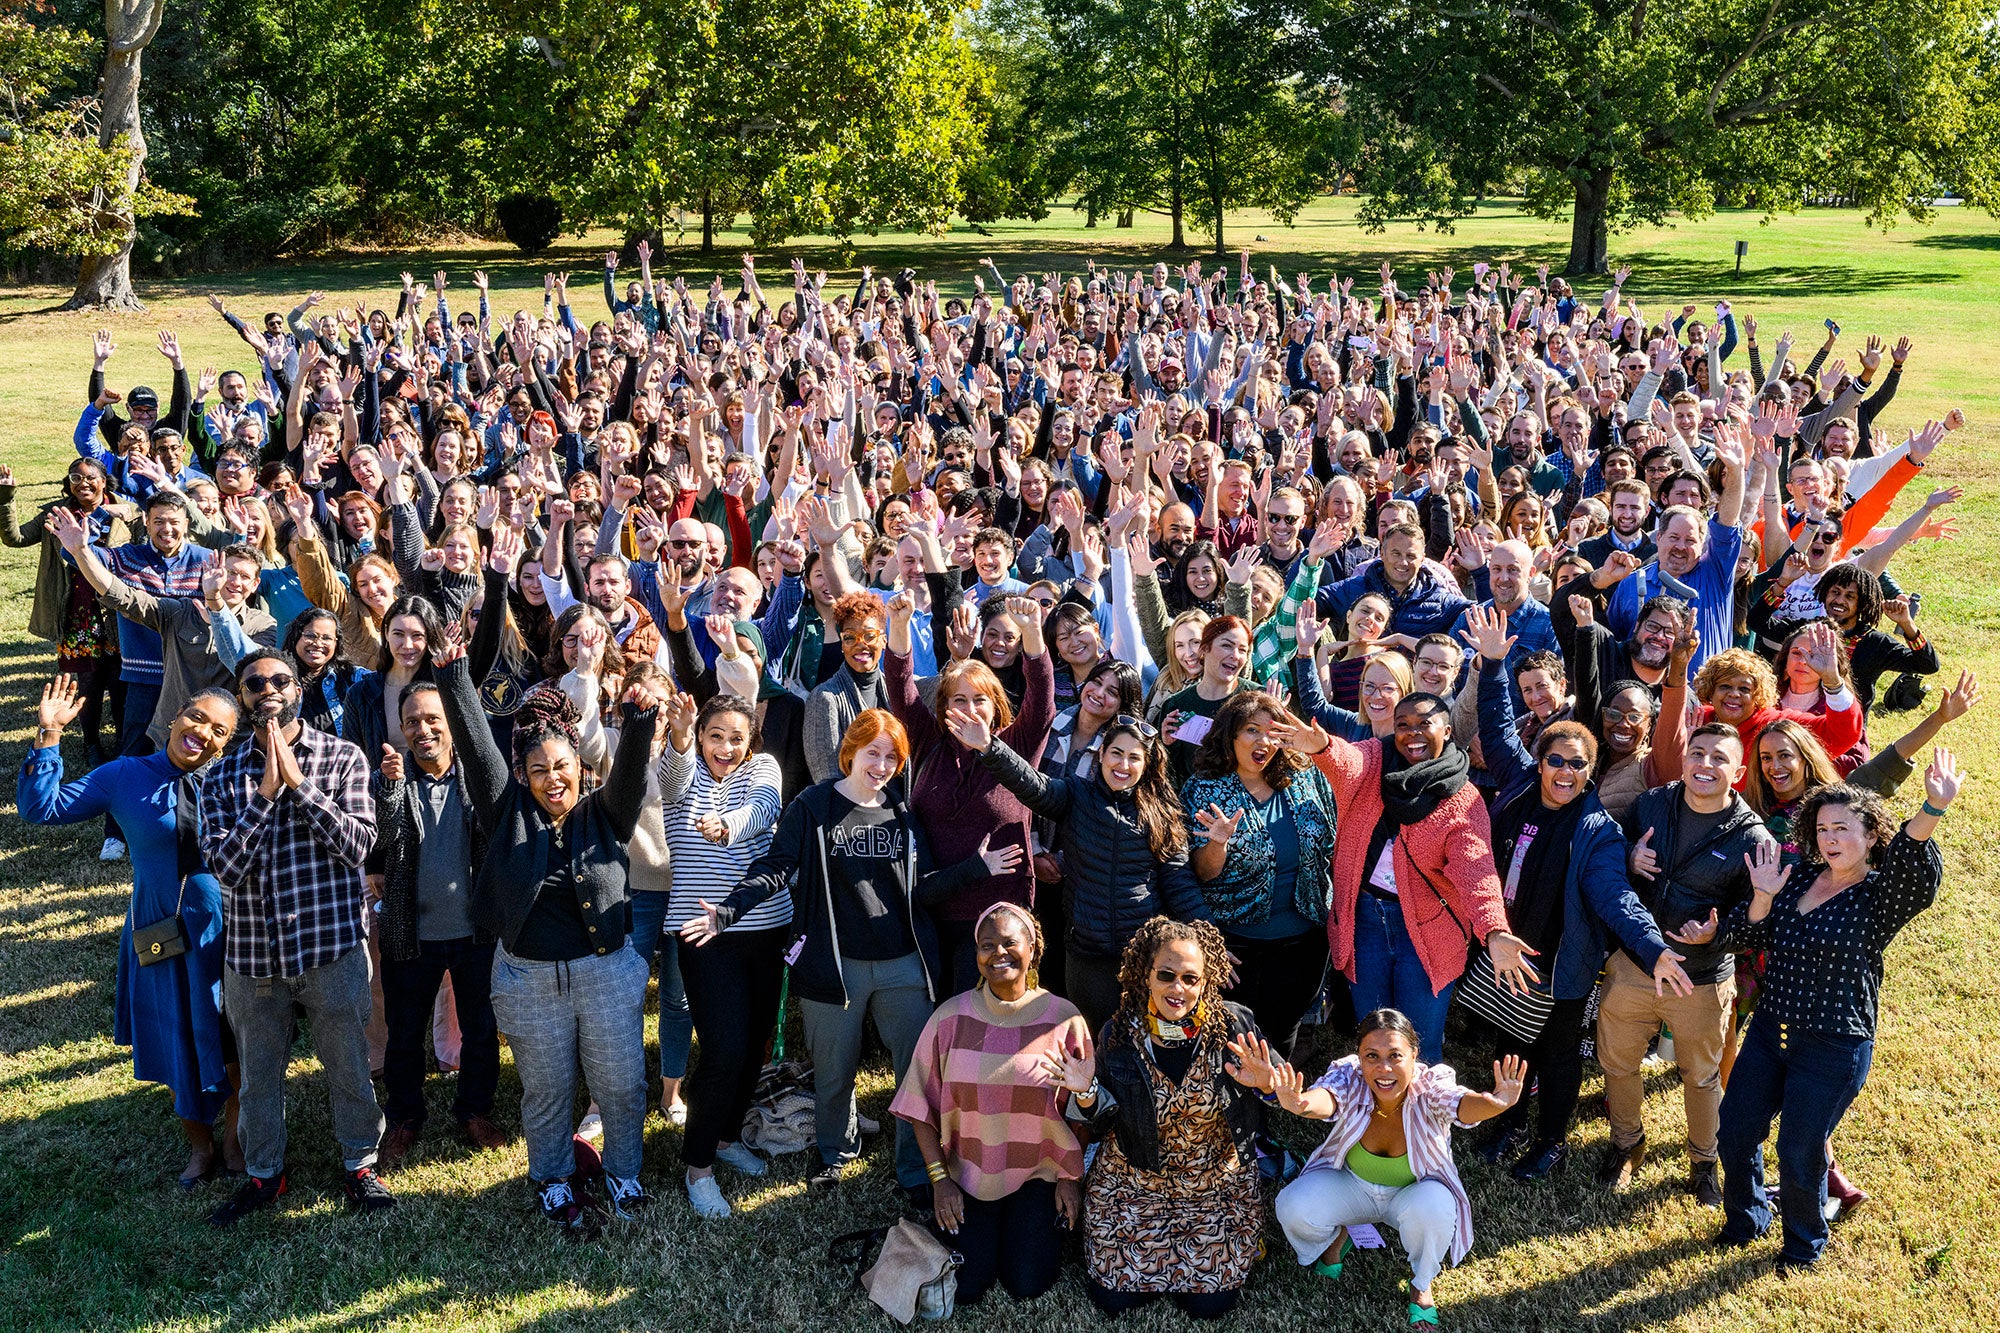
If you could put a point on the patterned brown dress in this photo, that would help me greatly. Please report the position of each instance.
(1193, 1226)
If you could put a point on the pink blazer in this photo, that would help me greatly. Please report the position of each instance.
(1452, 848)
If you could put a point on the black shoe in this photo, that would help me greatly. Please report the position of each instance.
(1705, 1184)
(627, 1198)
(570, 1212)
(1542, 1161)
(254, 1193)
(1502, 1142)
(826, 1178)
(366, 1193)
(1620, 1167)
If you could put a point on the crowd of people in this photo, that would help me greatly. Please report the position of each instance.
(1099, 682)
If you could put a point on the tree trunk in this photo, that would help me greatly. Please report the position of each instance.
(1177, 207)
(104, 282)
(1125, 218)
(1215, 202)
(1588, 236)
(707, 221)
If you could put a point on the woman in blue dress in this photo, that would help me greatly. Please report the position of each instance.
(169, 1013)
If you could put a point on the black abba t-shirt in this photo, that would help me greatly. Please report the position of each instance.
(865, 851)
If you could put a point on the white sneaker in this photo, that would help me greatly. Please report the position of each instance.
(706, 1197)
(112, 850)
(742, 1160)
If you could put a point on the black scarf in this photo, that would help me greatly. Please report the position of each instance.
(1411, 791)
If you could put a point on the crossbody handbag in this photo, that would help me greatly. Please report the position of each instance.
(1520, 1016)
(168, 937)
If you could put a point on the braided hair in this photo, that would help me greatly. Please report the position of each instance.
(545, 714)
(1135, 977)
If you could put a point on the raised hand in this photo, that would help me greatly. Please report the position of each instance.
(1510, 1074)
(61, 702)
(1582, 610)
(970, 729)
(1645, 861)
(1072, 1064)
(1486, 633)
(391, 766)
(1252, 1062)
(1217, 828)
(1958, 701)
(1942, 779)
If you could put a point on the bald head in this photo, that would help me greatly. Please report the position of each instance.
(1508, 568)
(688, 540)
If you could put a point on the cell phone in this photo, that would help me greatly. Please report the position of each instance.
(1916, 603)
(1833, 328)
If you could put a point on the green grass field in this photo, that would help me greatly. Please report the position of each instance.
(96, 1235)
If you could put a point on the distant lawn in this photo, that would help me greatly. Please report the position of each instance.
(95, 1235)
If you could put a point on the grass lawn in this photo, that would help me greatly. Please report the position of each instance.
(96, 1235)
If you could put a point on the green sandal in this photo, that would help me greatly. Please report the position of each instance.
(1332, 1270)
(1423, 1314)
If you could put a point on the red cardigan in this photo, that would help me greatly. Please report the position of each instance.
(1453, 845)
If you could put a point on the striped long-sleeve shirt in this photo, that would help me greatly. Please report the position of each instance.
(748, 801)
(1429, 1111)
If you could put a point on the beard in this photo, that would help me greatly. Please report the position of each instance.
(1175, 547)
(1652, 654)
(283, 713)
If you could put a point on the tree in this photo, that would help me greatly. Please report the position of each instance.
(827, 116)
(1182, 107)
(104, 277)
(63, 187)
(1618, 112)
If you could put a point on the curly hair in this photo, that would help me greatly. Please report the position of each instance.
(1871, 809)
(1738, 662)
(545, 714)
(1867, 593)
(1135, 976)
(1217, 756)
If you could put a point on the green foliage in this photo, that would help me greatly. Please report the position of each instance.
(1184, 107)
(1634, 113)
(531, 221)
(59, 188)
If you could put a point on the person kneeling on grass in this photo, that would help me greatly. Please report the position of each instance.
(1388, 1156)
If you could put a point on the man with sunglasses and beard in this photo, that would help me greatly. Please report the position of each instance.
(287, 822)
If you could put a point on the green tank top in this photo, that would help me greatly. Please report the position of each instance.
(1393, 1172)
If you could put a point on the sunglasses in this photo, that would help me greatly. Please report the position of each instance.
(1558, 761)
(1166, 976)
(259, 684)
(687, 542)
(1633, 718)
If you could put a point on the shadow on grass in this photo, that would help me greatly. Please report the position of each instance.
(1957, 241)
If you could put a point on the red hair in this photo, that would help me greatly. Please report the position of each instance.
(1220, 626)
(869, 727)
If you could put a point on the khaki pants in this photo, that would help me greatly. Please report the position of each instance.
(1628, 1016)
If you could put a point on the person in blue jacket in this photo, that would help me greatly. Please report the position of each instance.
(1562, 865)
(169, 1005)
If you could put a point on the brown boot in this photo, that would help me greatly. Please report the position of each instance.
(483, 1132)
(396, 1145)
(1620, 1167)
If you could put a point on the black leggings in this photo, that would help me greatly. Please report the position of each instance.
(1194, 1304)
(1555, 1061)
(1017, 1240)
(1277, 981)
(732, 987)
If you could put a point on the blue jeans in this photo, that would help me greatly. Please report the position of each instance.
(1389, 975)
(1806, 1081)
(649, 915)
(556, 1015)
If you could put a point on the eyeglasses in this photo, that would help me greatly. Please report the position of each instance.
(1166, 976)
(1146, 730)
(1558, 761)
(861, 638)
(259, 684)
(1634, 718)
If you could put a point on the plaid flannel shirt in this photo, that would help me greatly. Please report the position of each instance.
(290, 867)
(1272, 642)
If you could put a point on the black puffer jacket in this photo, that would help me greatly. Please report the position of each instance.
(1125, 1095)
(520, 842)
(1693, 880)
(1112, 883)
